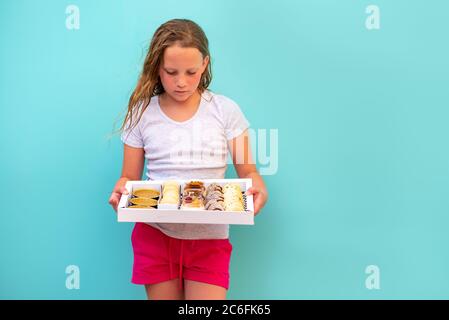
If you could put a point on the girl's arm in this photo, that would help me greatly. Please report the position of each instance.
(133, 162)
(245, 167)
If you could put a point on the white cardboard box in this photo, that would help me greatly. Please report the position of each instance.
(176, 215)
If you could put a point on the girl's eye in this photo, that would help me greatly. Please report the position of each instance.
(173, 73)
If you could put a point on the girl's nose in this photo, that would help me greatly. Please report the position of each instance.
(181, 83)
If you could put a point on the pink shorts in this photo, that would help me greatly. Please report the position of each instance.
(158, 258)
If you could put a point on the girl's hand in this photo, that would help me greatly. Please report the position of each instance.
(116, 195)
(260, 198)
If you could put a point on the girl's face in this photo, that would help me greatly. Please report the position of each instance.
(180, 71)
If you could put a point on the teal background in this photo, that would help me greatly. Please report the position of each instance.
(363, 159)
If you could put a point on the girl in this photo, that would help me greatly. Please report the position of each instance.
(184, 131)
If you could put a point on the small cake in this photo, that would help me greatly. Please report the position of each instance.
(170, 193)
(214, 198)
(146, 193)
(233, 198)
(194, 185)
(193, 195)
(139, 206)
(144, 202)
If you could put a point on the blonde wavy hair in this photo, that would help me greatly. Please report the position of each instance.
(184, 33)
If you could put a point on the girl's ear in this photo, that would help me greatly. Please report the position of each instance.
(205, 62)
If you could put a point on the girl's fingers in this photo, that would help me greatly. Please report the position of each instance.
(259, 200)
(115, 197)
(114, 203)
(250, 191)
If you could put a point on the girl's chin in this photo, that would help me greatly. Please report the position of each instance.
(180, 97)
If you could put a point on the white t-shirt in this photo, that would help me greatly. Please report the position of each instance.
(193, 149)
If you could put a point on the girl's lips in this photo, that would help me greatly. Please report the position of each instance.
(180, 92)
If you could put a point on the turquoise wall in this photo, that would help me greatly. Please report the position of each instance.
(361, 116)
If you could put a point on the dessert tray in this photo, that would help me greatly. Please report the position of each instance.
(208, 201)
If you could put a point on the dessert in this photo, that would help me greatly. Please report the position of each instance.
(139, 206)
(170, 193)
(195, 185)
(148, 202)
(193, 195)
(214, 198)
(146, 193)
(233, 198)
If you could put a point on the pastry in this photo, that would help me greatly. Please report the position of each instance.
(144, 201)
(233, 198)
(139, 206)
(170, 193)
(214, 198)
(193, 195)
(146, 193)
(194, 185)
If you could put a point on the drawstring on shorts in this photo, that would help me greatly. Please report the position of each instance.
(180, 261)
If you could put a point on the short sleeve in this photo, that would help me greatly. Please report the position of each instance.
(133, 136)
(235, 121)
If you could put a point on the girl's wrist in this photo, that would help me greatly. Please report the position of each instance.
(124, 179)
(251, 175)
(257, 181)
(121, 182)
